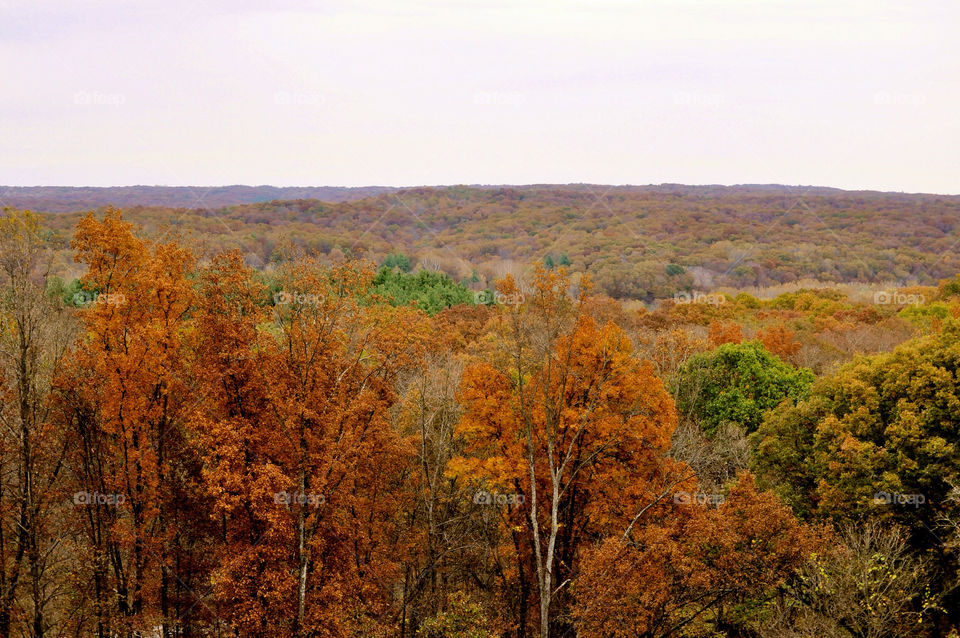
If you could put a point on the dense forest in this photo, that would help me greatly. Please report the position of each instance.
(65, 199)
(435, 414)
(640, 243)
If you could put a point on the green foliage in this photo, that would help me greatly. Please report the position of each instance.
(736, 383)
(72, 294)
(397, 260)
(782, 448)
(675, 269)
(923, 316)
(882, 424)
(745, 300)
(548, 262)
(432, 291)
(563, 260)
(622, 244)
(463, 618)
(950, 288)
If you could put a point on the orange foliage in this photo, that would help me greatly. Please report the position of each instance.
(303, 466)
(568, 419)
(780, 341)
(721, 333)
(126, 398)
(668, 574)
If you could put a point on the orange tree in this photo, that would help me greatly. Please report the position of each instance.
(702, 571)
(124, 400)
(300, 459)
(574, 427)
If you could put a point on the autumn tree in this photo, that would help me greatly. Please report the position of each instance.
(867, 582)
(703, 570)
(299, 455)
(721, 332)
(568, 421)
(123, 399)
(462, 618)
(34, 335)
(671, 348)
(779, 340)
(457, 547)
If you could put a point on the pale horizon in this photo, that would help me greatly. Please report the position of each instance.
(799, 187)
(854, 95)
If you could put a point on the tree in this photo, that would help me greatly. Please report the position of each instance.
(671, 348)
(867, 583)
(124, 399)
(462, 619)
(779, 340)
(736, 383)
(397, 260)
(300, 458)
(571, 423)
(34, 335)
(431, 292)
(721, 333)
(701, 570)
(877, 441)
(884, 424)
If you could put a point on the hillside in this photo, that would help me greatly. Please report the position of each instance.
(636, 242)
(794, 457)
(65, 199)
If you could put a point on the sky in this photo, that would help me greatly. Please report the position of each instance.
(846, 93)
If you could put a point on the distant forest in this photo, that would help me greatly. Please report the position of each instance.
(641, 243)
(66, 199)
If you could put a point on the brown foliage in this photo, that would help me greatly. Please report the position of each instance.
(779, 340)
(721, 333)
(681, 573)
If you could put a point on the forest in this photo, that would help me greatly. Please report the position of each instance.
(334, 443)
(65, 199)
(636, 243)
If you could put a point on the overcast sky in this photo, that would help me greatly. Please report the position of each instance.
(846, 93)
